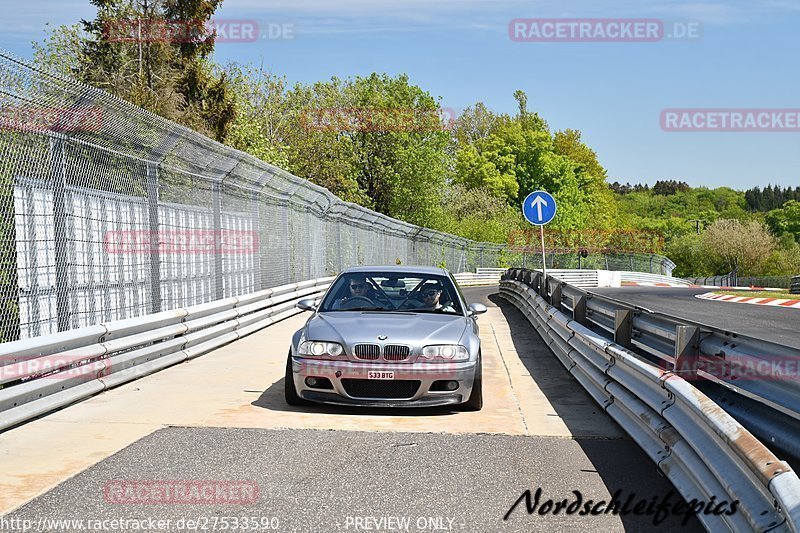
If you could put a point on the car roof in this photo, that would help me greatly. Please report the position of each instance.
(400, 269)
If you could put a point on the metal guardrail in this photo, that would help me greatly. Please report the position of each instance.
(714, 353)
(794, 288)
(471, 279)
(642, 277)
(702, 450)
(73, 365)
(726, 280)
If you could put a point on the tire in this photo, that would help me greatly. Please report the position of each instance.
(475, 402)
(289, 390)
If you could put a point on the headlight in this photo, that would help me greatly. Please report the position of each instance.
(319, 349)
(447, 352)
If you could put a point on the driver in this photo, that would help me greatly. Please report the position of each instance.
(431, 294)
(358, 286)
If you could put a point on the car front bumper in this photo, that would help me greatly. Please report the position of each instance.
(350, 385)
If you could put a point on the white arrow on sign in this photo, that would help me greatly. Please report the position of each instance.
(538, 202)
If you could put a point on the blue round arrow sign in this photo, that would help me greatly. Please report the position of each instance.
(539, 208)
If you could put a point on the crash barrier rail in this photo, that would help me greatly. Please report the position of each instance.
(594, 278)
(730, 359)
(642, 277)
(472, 279)
(775, 282)
(794, 288)
(699, 447)
(43, 374)
(726, 280)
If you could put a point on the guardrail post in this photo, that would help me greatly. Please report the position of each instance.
(555, 296)
(623, 327)
(687, 348)
(579, 309)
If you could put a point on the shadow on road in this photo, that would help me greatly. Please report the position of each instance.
(273, 399)
(619, 462)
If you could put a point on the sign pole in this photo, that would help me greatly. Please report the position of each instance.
(539, 208)
(544, 259)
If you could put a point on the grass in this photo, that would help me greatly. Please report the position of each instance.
(762, 294)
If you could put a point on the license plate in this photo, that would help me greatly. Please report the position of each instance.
(380, 375)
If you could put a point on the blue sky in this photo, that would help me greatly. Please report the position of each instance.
(460, 51)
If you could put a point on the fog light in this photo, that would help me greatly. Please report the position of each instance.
(452, 385)
(312, 382)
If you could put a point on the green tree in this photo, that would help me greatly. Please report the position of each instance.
(745, 246)
(690, 256)
(786, 219)
(121, 51)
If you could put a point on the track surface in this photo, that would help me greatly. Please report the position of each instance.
(222, 417)
(774, 324)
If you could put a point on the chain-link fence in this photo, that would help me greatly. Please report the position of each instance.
(627, 261)
(110, 212)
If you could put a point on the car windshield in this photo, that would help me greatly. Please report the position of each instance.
(393, 291)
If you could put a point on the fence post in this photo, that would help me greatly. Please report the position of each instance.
(216, 217)
(155, 257)
(260, 244)
(59, 183)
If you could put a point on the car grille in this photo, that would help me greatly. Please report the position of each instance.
(369, 352)
(377, 388)
(395, 352)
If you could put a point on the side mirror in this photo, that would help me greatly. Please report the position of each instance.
(476, 309)
(307, 304)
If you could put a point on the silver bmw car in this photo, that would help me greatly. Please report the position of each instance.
(388, 337)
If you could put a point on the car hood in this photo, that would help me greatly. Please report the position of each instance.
(415, 329)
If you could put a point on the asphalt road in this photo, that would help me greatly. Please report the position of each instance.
(222, 417)
(774, 324)
(316, 480)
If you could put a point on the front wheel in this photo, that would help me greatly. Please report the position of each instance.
(475, 402)
(289, 390)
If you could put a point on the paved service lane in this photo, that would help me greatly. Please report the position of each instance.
(324, 481)
(770, 323)
(538, 428)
